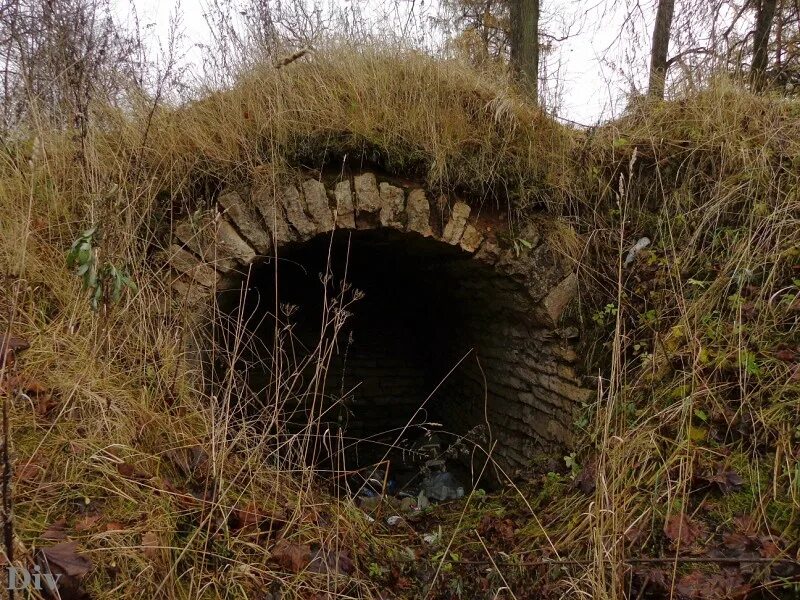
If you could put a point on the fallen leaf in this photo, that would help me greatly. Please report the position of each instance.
(114, 526)
(732, 586)
(131, 472)
(63, 562)
(10, 346)
(586, 481)
(738, 542)
(248, 517)
(727, 480)
(86, 523)
(45, 403)
(56, 532)
(33, 388)
(499, 531)
(728, 585)
(331, 562)
(151, 545)
(292, 557)
(786, 355)
(126, 470)
(683, 531)
(698, 434)
(29, 472)
(746, 524)
(692, 586)
(769, 549)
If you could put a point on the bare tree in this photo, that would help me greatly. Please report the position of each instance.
(525, 45)
(764, 17)
(692, 40)
(660, 49)
(58, 55)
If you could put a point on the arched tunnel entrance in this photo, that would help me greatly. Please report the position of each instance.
(371, 315)
(394, 341)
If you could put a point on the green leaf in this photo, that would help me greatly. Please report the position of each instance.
(750, 364)
(117, 289)
(697, 434)
(620, 142)
(697, 283)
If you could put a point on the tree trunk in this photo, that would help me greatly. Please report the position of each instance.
(658, 54)
(525, 45)
(758, 70)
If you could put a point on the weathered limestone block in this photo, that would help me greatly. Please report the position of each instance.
(368, 198)
(457, 223)
(317, 204)
(345, 211)
(230, 244)
(296, 212)
(189, 291)
(187, 263)
(392, 205)
(418, 213)
(571, 392)
(565, 353)
(489, 252)
(559, 297)
(195, 236)
(246, 221)
(271, 210)
(216, 242)
(471, 239)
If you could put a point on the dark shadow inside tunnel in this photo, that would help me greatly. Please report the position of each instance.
(367, 345)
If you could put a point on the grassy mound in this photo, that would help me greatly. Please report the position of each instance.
(693, 447)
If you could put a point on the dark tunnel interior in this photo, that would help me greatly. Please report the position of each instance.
(380, 338)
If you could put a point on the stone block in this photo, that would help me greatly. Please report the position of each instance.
(201, 237)
(569, 391)
(471, 239)
(295, 209)
(187, 263)
(418, 213)
(246, 221)
(345, 211)
(368, 198)
(317, 205)
(559, 297)
(194, 236)
(230, 244)
(189, 291)
(271, 210)
(457, 223)
(392, 205)
(489, 252)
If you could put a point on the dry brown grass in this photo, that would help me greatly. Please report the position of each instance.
(714, 183)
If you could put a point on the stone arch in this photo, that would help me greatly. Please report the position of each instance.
(529, 369)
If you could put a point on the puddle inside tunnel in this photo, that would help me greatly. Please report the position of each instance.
(379, 345)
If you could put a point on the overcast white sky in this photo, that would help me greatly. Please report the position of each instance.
(592, 87)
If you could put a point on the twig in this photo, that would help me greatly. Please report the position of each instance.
(643, 560)
(7, 500)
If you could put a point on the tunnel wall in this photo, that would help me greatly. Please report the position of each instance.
(381, 387)
(523, 348)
